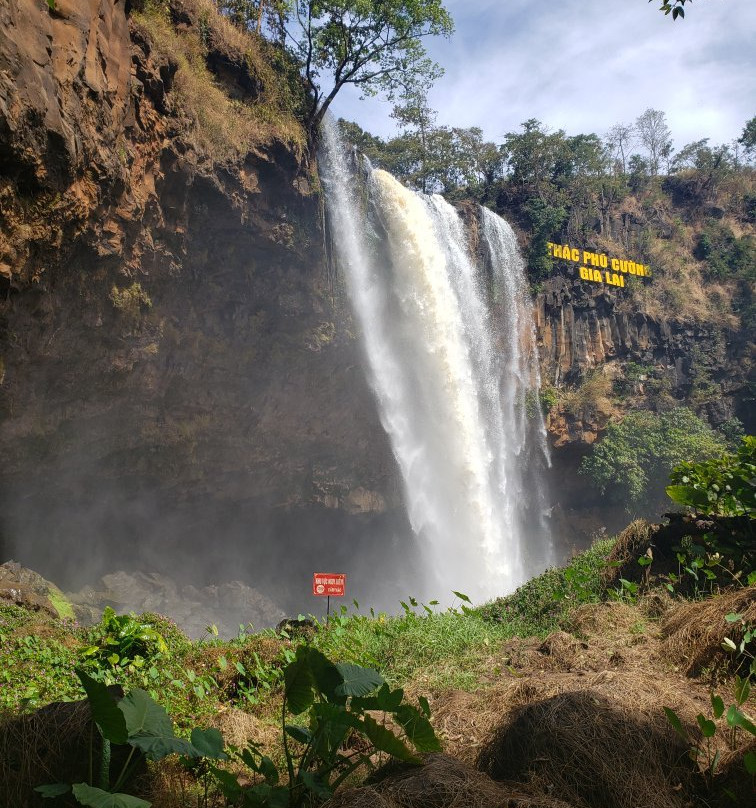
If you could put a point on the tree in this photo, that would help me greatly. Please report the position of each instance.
(531, 157)
(700, 169)
(619, 141)
(748, 138)
(244, 13)
(370, 145)
(636, 455)
(373, 44)
(416, 120)
(655, 136)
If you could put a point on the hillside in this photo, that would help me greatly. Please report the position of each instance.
(553, 697)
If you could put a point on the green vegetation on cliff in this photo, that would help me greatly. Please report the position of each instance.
(236, 88)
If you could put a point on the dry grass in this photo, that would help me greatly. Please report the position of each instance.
(677, 288)
(48, 746)
(592, 751)
(594, 393)
(442, 782)
(693, 632)
(224, 127)
(630, 545)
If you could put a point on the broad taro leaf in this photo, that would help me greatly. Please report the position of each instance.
(688, 495)
(106, 713)
(156, 747)
(389, 700)
(418, 729)
(385, 741)
(316, 785)
(209, 743)
(357, 681)
(385, 699)
(330, 724)
(298, 682)
(144, 716)
(325, 674)
(53, 790)
(151, 729)
(300, 734)
(97, 798)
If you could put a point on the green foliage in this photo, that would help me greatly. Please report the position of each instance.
(724, 485)
(673, 6)
(338, 699)
(537, 607)
(544, 220)
(132, 301)
(444, 646)
(61, 604)
(36, 666)
(633, 460)
(726, 256)
(748, 138)
(702, 748)
(548, 397)
(136, 721)
(122, 640)
(375, 46)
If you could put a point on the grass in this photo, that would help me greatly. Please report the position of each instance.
(539, 605)
(443, 649)
(61, 604)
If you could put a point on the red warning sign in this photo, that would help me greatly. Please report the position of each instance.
(331, 584)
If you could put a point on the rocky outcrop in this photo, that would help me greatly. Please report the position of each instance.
(225, 606)
(24, 587)
(585, 329)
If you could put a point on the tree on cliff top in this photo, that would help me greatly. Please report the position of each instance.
(373, 44)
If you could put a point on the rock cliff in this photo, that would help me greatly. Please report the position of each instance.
(180, 377)
(622, 357)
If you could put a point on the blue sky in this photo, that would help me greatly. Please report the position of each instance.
(584, 65)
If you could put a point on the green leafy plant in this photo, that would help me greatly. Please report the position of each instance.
(338, 701)
(120, 641)
(703, 747)
(724, 486)
(632, 463)
(743, 650)
(136, 721)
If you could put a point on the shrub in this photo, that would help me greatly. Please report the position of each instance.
(632, 462)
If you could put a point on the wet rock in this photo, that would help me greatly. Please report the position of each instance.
(225, 606)
(24, 587)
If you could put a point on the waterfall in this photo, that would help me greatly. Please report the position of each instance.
(451, 356)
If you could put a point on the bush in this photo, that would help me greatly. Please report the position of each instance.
(632, 462)
(537, 607)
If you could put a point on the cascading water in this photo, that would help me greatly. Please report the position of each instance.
(452, 359)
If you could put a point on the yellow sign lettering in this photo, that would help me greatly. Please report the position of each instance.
(589, 260)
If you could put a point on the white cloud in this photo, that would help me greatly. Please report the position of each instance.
(583, 65)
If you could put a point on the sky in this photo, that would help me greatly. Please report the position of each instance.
(585, 65)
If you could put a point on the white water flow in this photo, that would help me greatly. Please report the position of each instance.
(452, 359)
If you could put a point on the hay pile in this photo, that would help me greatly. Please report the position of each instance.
(589, 749)
(442, 782)
(693, 632)
(633, 542)
(49, 746)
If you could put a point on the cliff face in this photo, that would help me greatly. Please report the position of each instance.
(179, 373)
(591, 338)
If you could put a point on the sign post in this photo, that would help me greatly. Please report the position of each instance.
(325, 584)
